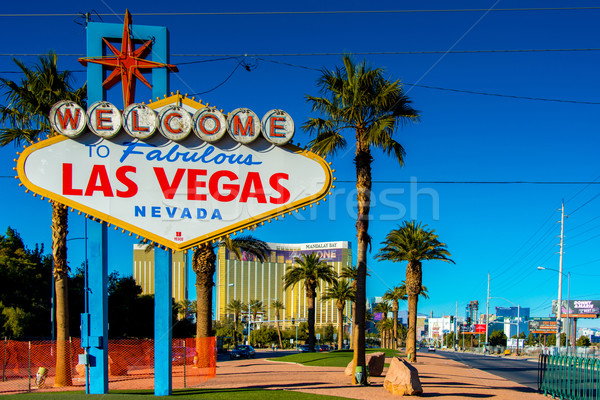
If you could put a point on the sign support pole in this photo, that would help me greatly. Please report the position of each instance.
(163, 266)
(97, 335)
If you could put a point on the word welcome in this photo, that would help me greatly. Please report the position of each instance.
(173, 122)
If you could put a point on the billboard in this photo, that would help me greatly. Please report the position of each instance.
(287, 253)
(542, 325)
(578, 308)
(475, 329)
(175, 191)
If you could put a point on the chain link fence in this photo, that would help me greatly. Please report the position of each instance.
(30, 365)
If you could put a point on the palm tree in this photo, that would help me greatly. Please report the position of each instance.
(360, 99)
(341, 291)
(394, 295)
(204, 265)
(278, 306)
(235, 307)
(309, 270)
(24, 119)
(413, 243)
(185, 308)
(384, 327)
(383, 308)
(256, 306)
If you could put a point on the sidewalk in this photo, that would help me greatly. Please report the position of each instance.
(440, 377)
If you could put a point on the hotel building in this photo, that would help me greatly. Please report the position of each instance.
(250, 280)
(143, 271)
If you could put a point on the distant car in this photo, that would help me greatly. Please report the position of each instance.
(323, 347)
(304, 348)
(242, 351)
(431, 348)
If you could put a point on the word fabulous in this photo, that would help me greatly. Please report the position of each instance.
(173, 122)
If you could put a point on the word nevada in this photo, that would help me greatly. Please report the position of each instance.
(174, 122)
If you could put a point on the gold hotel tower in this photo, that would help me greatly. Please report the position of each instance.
(253, 280)
(143, 271)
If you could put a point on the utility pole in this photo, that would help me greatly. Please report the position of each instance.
(560, 274)
(455, 338)
(487, 313)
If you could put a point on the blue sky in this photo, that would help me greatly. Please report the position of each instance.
(504, 229)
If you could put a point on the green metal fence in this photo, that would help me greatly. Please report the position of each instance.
(569, 377)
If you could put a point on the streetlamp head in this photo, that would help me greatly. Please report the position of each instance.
(541, 268)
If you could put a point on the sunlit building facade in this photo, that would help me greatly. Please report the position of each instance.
(250, 280)
(143, 271)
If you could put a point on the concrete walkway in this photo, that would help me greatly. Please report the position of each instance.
(440, 377)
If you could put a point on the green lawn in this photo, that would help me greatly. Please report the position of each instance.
(183, 394)
(339, 358)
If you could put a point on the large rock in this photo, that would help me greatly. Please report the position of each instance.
(402, 379)
(375, 362)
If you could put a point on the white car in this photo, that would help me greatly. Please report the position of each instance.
(431, 348)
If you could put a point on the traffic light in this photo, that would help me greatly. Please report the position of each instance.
(468, 320)
(451, 319)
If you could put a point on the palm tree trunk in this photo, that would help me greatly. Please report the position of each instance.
(413, 288)
(395, 313)
(411, 334)
(310, 305)
(61, 271)
(353, 317)
(203, 264)
(340, 340)
(363, 187)
(278, 329)
(235, 328)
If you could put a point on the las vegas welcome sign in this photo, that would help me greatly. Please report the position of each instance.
(174, 171)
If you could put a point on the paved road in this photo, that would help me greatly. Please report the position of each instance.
(520, 371)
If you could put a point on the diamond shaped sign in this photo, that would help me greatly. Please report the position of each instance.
(175, 193)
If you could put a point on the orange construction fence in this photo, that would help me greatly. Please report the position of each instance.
(30, 365)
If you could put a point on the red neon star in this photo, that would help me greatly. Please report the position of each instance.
(127, 63)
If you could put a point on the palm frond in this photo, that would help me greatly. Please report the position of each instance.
(26, 111)
(359, 98)
(247, 244)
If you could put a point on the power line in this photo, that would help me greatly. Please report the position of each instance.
(504, 95)
(584, 204)
(324, 12)
(584, 223)
(385, 53)
(584, 241)
(357, 53)
(222, 83)
(449, 89)
(585, 263)
(584, 232)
